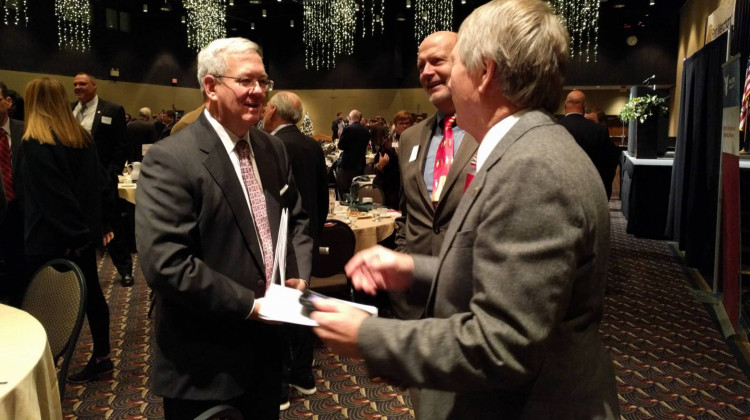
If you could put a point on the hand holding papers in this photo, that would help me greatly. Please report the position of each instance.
(282, 303)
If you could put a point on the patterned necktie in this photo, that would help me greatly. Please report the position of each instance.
(79, 117)
(258, 206)
(471, 172)
(443, 158)
(7, 170)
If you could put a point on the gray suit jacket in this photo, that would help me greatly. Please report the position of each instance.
(516, 294)
(17, 128)
(201, 255)
(421, 227)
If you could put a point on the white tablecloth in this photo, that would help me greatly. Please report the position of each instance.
(367, 231)
(28, 379)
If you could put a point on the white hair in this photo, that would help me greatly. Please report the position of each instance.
(212, 58)
(528, 44)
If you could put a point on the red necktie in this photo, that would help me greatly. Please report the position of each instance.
(258, 205)
(471, 172)
(443, 158)
(7, 170)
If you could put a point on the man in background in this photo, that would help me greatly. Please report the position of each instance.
(282, 112)
(169, 121)
(432, 184)
(353, 144)
(140, 132)
(12, 256)
(517, 292)
(106, 123)
(592, 137)
(337, 126)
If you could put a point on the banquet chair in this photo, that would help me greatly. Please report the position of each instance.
(56, 297)
(335, 248)
(372, 191)
(221, 412)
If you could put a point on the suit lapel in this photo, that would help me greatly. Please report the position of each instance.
(528, 121)
(217, 163)
(424, 145)
(97, 117)
(16, 134)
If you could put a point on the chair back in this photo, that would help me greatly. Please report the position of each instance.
(372, 191)
(221, 412)
(335, 248)
(56, 297)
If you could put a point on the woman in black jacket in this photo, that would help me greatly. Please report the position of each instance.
(63, 197)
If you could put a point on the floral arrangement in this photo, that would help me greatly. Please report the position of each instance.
(642, 107)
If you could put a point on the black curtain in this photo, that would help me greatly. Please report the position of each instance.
(741, 45)
(691, 219)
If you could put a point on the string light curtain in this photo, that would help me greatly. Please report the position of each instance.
(206, 21)
(73, 24)
(15, 12)
(581, 17)
(328, 31)
(432, 16)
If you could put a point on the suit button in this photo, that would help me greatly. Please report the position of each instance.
(436, 230)
(261, 282)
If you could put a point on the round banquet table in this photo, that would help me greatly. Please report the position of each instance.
(367, 231)
(28, 378)
(126, 192)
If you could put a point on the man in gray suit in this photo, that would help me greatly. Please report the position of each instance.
(210, 201)
(517, 292)
(424, 215)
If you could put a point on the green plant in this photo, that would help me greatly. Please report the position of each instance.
(642, 107)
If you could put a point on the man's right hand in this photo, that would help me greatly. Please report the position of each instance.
(379, 268)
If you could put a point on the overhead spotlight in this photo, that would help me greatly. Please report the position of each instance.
(291, 23)
(166, 6)
(463, 1)
(231, 2)
(651, 2)
(619, 6)
(182, 19)
(252, 26)
(377, 18)
(400, 17)
(145, 8)
(408, 4)
(263, 13)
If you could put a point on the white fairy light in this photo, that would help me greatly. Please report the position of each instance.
(437, 15)
(206, 21)
(73, 24)
(581, 17)
(18, 10)
(328, 31)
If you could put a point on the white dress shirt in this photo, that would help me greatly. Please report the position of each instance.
(493, 137)
(87, 118)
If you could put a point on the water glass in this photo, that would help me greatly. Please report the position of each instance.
(376, 208)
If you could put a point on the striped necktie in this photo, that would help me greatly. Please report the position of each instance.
(5, 166)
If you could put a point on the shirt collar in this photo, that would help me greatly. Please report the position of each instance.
(574, 113)
(495, 135)
(92, 103)
(6, 127)
(279, 128)
(228, 139)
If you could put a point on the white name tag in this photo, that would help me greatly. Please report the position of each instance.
(414, 152)
(106, 120)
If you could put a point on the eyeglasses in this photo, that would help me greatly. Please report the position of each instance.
(249, 83)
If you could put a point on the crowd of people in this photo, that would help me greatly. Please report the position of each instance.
(496, 276)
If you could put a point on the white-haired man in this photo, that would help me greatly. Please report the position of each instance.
(209, 206)
(516, 295)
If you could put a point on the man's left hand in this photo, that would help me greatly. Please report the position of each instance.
(298, 284)
(338, 325)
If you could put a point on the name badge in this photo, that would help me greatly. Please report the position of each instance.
(106, 120)
(414, 152)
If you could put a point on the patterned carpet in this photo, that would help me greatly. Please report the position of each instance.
(670, 358)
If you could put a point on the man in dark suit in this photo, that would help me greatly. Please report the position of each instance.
(425, 217)
(283, 111)
(106, 123)
(592, 137)
(210, 200)
(169, 121)
(140, 132)
(12, 268)
(517, 291)
(337, 126)
(353, 145)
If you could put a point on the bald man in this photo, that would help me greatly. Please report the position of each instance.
(353, 143)
(592, 137)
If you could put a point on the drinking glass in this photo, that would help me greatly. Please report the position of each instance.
(331, 200)
(376, 212)
(352, 214)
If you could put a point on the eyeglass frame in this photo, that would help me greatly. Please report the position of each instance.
(240, 80)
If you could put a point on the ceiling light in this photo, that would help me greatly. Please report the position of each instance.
(231, 2)
(145, 8)
(252, 26)
(182, 19)
(651, 2)
(408, 4)
(291, 23)
(400, 17)
(263, 13)
(166, 6)
(619, 6)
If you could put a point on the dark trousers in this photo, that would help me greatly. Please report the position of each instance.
(298, 354)
(119, 249)
(97, 310)
(13, 273)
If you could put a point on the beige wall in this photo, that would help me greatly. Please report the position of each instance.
(693, 17)
(611, 101)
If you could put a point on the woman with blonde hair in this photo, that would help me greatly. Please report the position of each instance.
(63, 195)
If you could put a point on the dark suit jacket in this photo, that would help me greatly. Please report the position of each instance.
(421, 227)
(335, 129)
(594, 140)
(62, 197)
(167, 130)
(16, 133)
(111, 138)
(310, 173)
(516, 294)
(201, 255)
(353, 142)
(140, 132)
